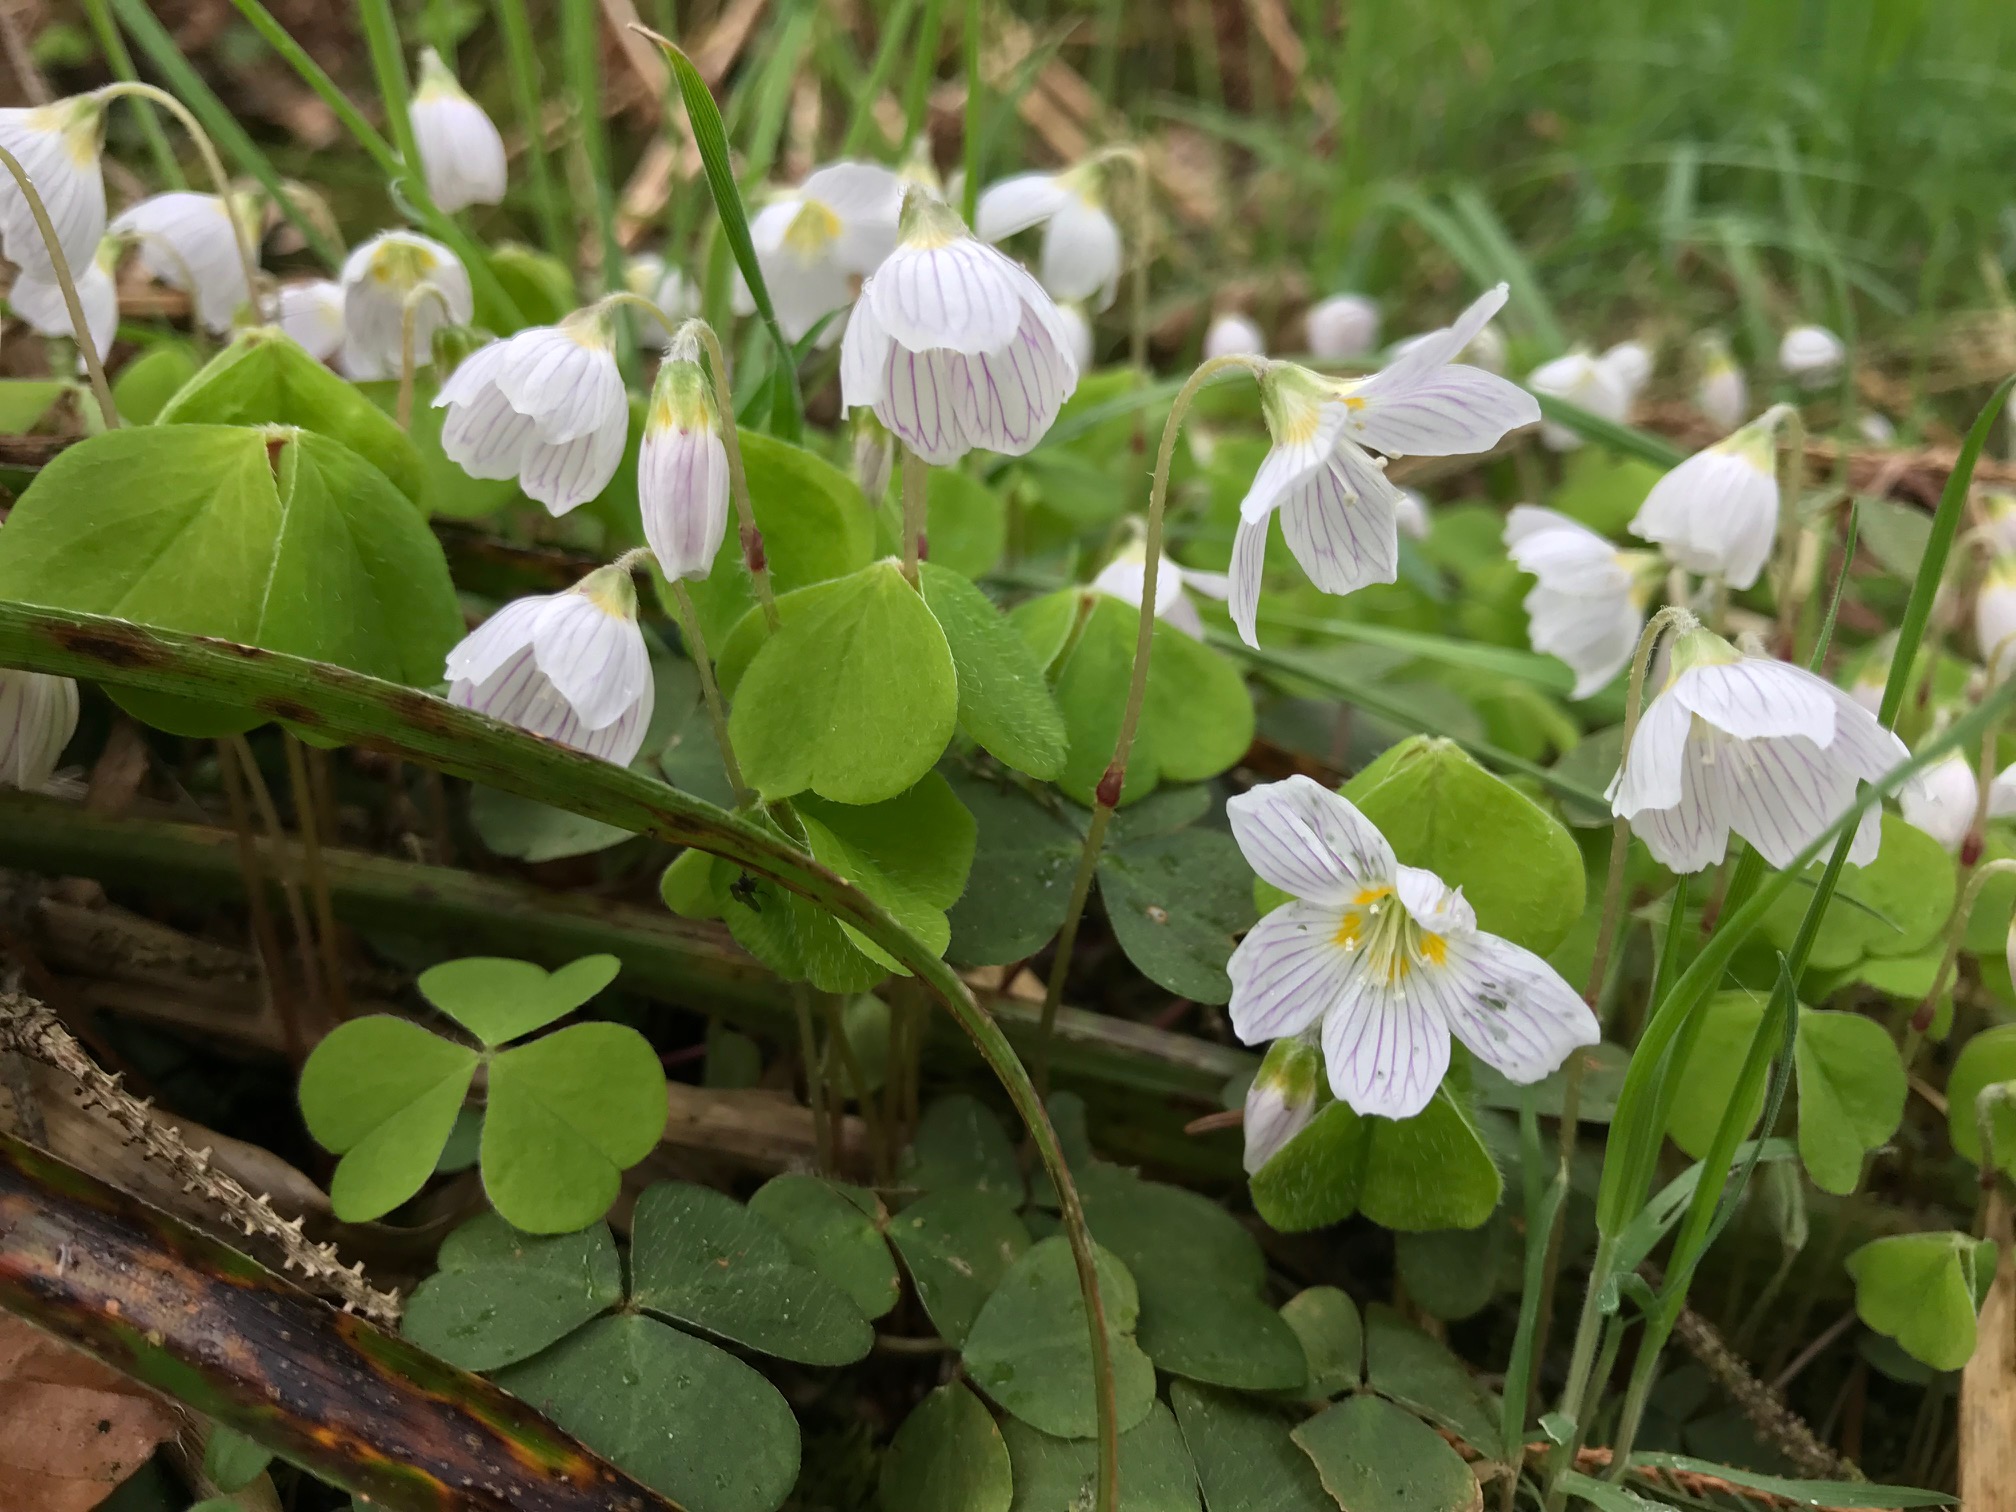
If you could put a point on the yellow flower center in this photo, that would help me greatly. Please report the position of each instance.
(401, 264)
(812, 230)
(1376, 922)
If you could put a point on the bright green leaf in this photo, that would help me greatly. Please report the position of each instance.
(1004, 703)
(1430, 1171)
(910, 853)
(499, 1000)
(146, 384)
(382, 1093)
(1708, 1081)
(1923, 1291)
(1894, 906)
(1851, 1095)
(232, 1461)
(1987, 1059)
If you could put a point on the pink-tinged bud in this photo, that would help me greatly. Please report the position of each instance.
(1282, 1099)
(923, 546)
(752, 550)
(1970, 849)
(1107, 794)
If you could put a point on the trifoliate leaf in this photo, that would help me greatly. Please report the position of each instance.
(1851, 1095)
(1985, 1060)
(1894, 906)
(960, 1143)
(1924, 1291)
(1430, 1171)
(1245, 1455)
(957, 1245)
(1333, 1339)
(382, 1093)
(1374, 1457)
(1421, 1373)
(910, 853)
(1451, 1273)
(1025, 854)
(501, 1296)
(1178, 904)
(831, 1231)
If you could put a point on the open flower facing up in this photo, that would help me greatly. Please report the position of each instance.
(38, 715)
(1589, 606)
(1941, 800)
(682, 468)
(570, 666)
(1342, 328)
(42, 307)
(1811, 355)
(650, 277)
(1720, 392)
(546, 406)
(312, 313)
(1283, 1096)
(59, 146)
(1233, 335)
(815, 241)
(1584, 381)
(1995, 616)
(1385, 958)
(379, 279)
(1717, 512)
(953, 345)
(1080, 257)
(186, 240)
(1749, 744)
(1338, 511)
(461, 152)
(1127, 574)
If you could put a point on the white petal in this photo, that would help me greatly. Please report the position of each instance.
(1565, 555)
(1016, 204)
(2002, 793)
(1426, 353)
(1779, 794)
(62, 160)
(377, 278)
(187, 242)
(682, 490)
(1342, 328)
(1510, 1008)
(482, 434)
(1184, 616)
(1652, 774)
(1214, 585)
(1716, 513)
(562, 477)
(963, 295)
(1941, 801)
(1596, 635)
(1344, 538)
(1448, 411)
(1758, 697)
(864, 358)
(1249, 560)
(1860, 743)
(566, 381)
(518, 693)
(1007, 400)
(1432, 903)
(1307, 444)
(919, 401)
(312, 314)
(461, 151)
(1286, 972)
(481, 652)
(596, 660)
(1691, 835)
(47, 313)
(1308, 841)
(1081, 253)
(867, 200)
(38, 715)
(1386, 1047)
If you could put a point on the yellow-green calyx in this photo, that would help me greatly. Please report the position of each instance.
(81, 122)
(436, 78)
(610, 590)
(1292, 1070)
(591, 326)
(927, 221)
(682, 399)
(1292, 400)
(1701, 648)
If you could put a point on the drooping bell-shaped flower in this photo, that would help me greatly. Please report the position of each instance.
(1283, 1098)
(1717, 512)
(1583, 381)
(1342, 328)
(186, 240)
(1941, 800)
(1753, 745)
(44, 310)
(570, 666)
(379, 279)
(1081, 255)
(1720, 391)
(1338, 511)
(546, 406)
(1385, 959)
(59, 146)
(1811, 355)
(1995, 616)
(955, 346)
(1629, 366)
(816, 241)
(1589, 606)
(1127, 574)
(461, 151)
(312, 313)
(1231, 334)
(649, 276)
(682, 468)
(38, 715)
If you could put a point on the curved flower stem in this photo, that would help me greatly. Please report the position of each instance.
(79, 326)
(1144, 230)
(1106, 797)
(1670, 617)
(916, 511)
(120, 59)
(710, 691)
(1956, 932)
(213, 166)
(409, 359)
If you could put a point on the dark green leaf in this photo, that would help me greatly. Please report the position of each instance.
(829, 1230)
(501, 1296)
(957, 1245)
(1373, 1457)
(947, 1457)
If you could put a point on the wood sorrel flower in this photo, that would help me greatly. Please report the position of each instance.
(1283, 1096)
(1995, 616)
(1941, 800)
(1080, 256)
(461, 152)
(1385, 958)
(682, 469)
(379, 278)
(312, 313)
(1125, 576)
(1589, 606)
(1749, 744)
(813, 242)
(1232, 335)
(1717, 512)
(546, 406)
(59, 146)
(1720, 391)
(38, 715)
(1584, 381)
(41, 305)
(953, 345)
(1338, 511)
(570, 666)
(1342, 328)
(651, 277)
(186, 240)
(1811, 355)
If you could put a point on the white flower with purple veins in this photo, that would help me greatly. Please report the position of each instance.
(814, 242)
(1753, 745)
(1283, 1096)
(1385, 959)
(1338, 511)
(546, 406)
(569, 666)
(1589, 606)
(45, 311)
(1995, 616)
(954, 346)
(1342, 328)
(1233, 335)
(1585, 382)
(38, 715)
(381, 279)
(1811, 355)
(461, 151)
(1080, 256)
(186, 241)
(1720, 392)
(1717, 512)
(682, 469)
(1127, 574)
(312, 313)
(59, 146)
(1941, 800)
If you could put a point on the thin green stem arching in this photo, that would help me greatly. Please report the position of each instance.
(388, 66)
(120, 61)
(710, 691)
(522, 62)
(916, 491)
(80, 328)
(350, 708)
(1106, 797)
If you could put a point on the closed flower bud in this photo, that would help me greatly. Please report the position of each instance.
(38, 715)
(1283, 1097)
(311, 313)
(1995, 617)
(1717, 512)
(682, 468)
(1342, 328)
(1941, 800)
(1811, 355)
(1720, 391)
(461, 152)
(1233, 335)
(1583, 381)
(186, 240)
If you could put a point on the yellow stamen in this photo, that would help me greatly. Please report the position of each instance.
(812, 230)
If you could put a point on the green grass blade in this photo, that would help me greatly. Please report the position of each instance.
(581, 52)
(976, 99)
(1627, 439)
(861, 117)
(1527, 303)
(119, 62)
(923, 69)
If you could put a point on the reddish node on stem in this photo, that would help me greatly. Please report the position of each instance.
(752, 550)
(1107, 794)
(1921, 1021)
(923, 547)
(1970, 849)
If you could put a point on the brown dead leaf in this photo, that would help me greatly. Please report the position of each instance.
(70, 1428)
